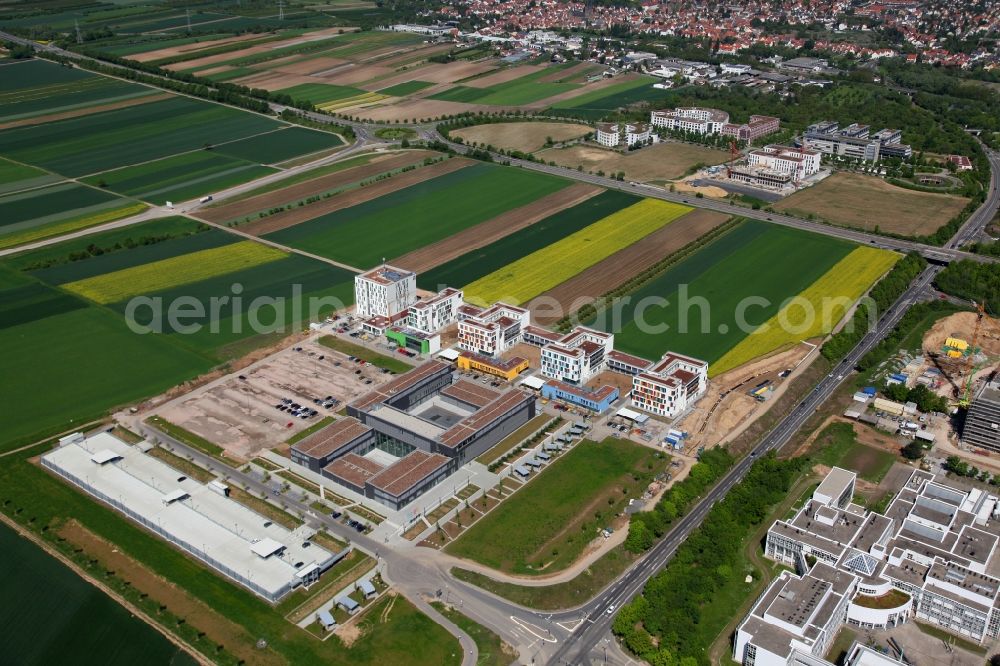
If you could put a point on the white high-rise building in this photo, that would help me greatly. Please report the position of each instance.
(384, 292)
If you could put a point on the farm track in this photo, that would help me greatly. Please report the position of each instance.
(624, 264)
(352, 198)
(86, 111)
(501, 226)
(307, 188)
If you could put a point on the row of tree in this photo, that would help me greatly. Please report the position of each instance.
(668, 624)
(869, 310)
(972, 281)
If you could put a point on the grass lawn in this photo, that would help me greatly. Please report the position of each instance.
(419, 215)
(544, 527)
(849, 199)
(493, 651)
(837, 445)
(514, 439)
(562, 595)
(367, 355)
(736, 266)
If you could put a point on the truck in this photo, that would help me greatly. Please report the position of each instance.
(205, 199)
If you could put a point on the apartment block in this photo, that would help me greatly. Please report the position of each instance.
(669, 386)
(577, 356)
(490, 331)
(384, 292)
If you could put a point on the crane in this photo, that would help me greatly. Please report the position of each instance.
(734, 154)
(971, 367)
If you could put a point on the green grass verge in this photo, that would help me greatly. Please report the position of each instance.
(185, 436)
(493, 651)
(319, 425)
(365, 354)
(837, 445)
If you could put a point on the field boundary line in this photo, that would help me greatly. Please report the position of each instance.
(122, 601)
(279, 246)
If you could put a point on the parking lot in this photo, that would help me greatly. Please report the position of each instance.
(268, 402)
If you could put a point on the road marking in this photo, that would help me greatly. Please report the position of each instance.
(571, 625)
(530, 628)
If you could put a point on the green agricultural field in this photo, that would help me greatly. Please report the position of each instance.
(318, 93)
(40, 623)
(544, 269)
(545, 526)
(404, 89)
(596, 104)
(756, 260)
(36, 87)
(42, 324)
(397, 223)
(281, 145)
(484, 260)
(14, 177)
(522, 90)
(112, 139)
(74, 363)
(180, 177)
(43, 212)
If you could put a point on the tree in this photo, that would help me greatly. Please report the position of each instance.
(913, 451)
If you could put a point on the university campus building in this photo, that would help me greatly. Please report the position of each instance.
(410, 434)
(932, 555)
(701, 120)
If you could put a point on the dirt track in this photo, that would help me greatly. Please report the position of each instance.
(354, 197)
(299, 191)
(612, 271)
(499, 227)
(75, 113)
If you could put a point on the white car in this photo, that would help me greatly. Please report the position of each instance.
(611, 609)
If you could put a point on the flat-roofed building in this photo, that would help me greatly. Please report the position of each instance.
(598, 400)
(431, 314)
(577, 356)
(755, 128)
(982, 424)
(240, 544)
(798, 163)
(690, 119)
(385, 291)
(932, 555)
(412, 432)
(507, 369)
(491, 331)
(670, 385)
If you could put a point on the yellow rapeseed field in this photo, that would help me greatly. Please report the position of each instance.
(174, 272)
(816, 310)
(521, 280)
(50, 230)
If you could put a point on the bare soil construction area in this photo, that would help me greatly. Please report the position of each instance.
(526, 137)
(961, 325)
(299, 191)
(619, 267)
(240, 415)
(663, 161)
(353, 197)
(727, 408)
(868, 202)
(500, 226)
